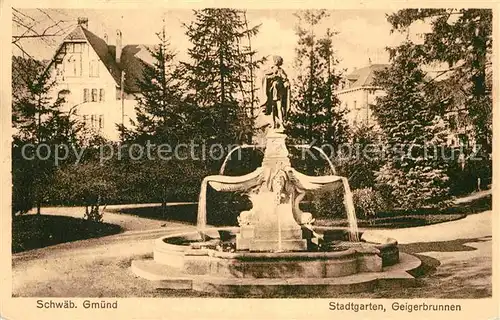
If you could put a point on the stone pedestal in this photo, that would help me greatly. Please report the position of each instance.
(244, 237)
(273, 227)
(276, 153)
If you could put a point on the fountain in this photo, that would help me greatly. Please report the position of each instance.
(276, 249)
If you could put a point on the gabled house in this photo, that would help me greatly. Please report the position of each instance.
(358, 93)
(98, 80)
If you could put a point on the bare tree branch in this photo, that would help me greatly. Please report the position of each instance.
(36, 26)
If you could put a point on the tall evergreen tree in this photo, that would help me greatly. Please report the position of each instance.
(461, 41)
(37, 119)
(316, 116)
(160, 115)
(412, 121)
(217, 73)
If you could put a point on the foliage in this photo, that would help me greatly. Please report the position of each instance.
(160, 112)
(414, 131)
(328, 202)
(89, 183)
(316, 116)
(218, 76)
(461, 42)
(365, 157)
(37, 119)
(368, 203)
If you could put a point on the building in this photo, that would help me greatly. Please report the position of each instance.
(98, 80)
(358, 93)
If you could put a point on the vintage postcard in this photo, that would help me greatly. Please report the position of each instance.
(274, 160)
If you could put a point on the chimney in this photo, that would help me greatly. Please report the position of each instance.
(83, 22)
(118, 46)
(106, 38)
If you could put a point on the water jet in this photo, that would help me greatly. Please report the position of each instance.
(276, 249)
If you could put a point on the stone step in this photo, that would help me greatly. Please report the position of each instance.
(163, 275)
(169, 278)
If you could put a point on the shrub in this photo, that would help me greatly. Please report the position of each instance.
(416, 187)
(368, 203)
(94, 214)
(328, 202)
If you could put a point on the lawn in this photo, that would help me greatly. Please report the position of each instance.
(38, 231)
(386, 220)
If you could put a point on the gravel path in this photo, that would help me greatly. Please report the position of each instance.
(100, 267)
(127, 222)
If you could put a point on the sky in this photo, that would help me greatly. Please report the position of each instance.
(362, 34)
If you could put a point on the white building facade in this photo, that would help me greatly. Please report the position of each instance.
(358, 94)
(98, 80)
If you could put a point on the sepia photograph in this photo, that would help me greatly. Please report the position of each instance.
(229, 153)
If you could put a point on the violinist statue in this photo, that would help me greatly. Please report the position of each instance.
(277, 93)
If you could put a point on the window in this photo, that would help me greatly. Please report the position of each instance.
(76, 47)
(101, 121)
(101, 95)
(355, 106)
(72, 66)
(85, 120)
(86, 96)
(93, 69)
(93, 120)
(94, 95)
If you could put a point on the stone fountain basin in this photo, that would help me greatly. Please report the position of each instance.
(187, 253)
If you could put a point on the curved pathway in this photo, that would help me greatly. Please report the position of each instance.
(100, 267)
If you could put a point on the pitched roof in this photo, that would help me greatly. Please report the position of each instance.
(132, 61)
(363, 77)
(76, 34)
(132, 57)
(102, 49)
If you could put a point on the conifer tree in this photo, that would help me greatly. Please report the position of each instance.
(316, 117)
(460, 42)
(414, 174)
(37, 119)
(159, 104)
(218, 74)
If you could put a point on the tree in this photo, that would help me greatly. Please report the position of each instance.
(37, 119)
(42, 25)
(219, 74)
(461, 39)
(316, 117)
(362, 162)
(160, 112)
(412, 121)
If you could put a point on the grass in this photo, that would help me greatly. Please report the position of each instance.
(392, 219)
(415, 218)
(182, 213)
(38, 231)
(405, 221)
(187, 213)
